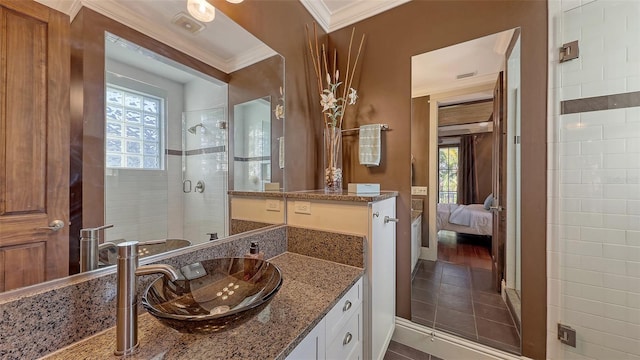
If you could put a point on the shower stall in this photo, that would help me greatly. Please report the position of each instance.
(594, 175)
(186, 198)
(204, 174)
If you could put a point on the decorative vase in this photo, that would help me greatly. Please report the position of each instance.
(332, 159)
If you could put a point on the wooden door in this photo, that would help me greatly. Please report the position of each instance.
(34, 143)
(499, 184)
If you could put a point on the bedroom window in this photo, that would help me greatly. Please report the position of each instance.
(448, 175)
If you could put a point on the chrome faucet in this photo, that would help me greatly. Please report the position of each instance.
(127, 295)
(89, 247)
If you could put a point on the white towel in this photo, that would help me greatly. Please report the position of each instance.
(370, 145)
(281, 152)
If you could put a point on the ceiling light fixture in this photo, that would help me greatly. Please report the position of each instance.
(201, 10)
(235, 1)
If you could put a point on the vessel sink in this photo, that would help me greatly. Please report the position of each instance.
(214, 295)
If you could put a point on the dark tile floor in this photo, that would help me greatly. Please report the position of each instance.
(459, 299)
(397, 351)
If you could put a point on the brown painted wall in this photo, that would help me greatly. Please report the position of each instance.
(254, 82)
(484, 154)
(420, 112)
(385, 97)
(420, 141)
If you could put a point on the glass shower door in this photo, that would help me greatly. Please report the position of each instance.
(205, 174)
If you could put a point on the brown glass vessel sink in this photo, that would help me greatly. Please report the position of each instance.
(215, 295)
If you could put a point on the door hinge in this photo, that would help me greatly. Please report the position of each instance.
(569, 51)
(516, 139)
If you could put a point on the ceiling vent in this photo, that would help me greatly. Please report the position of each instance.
(187, 23)
(466, 75)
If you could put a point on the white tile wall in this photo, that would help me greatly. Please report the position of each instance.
(594, 183)
(206, 212)
(147, 205)
(137, 201)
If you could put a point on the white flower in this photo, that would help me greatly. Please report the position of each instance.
(328, 80)
(328, 101)
(353, 96)
(337, 75)
(279, 112)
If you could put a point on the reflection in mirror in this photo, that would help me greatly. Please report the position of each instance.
(252, 145)
(465, 234)
(165, 148)
(144, 127)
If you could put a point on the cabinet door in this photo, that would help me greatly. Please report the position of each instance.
(382, 279)
(34, 143)
(312, 347)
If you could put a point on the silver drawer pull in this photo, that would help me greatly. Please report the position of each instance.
(347, 339)
(347, 306)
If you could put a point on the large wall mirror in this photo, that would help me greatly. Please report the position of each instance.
(152, 128)
(465, 181)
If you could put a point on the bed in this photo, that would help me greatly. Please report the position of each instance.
(466, 219)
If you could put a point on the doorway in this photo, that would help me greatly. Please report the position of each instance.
(457, 282)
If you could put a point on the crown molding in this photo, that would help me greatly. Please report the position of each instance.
(69, 7)
(350, 14)
(475, 81)
(250, 57)
(319, 11)
(360, 10)
(74, 9)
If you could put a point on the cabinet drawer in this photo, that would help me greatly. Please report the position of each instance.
(347, 343)
(343, 309)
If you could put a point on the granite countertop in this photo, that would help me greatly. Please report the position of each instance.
(310, 289)
(344, 195)
(258, 194)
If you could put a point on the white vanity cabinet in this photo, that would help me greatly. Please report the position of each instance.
(312, 347)
(376, 219)
(338, 336)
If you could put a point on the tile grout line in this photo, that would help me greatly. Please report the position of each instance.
(401, 355)
(473, 308)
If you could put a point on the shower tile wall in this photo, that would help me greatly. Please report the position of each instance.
(137, 200)
(206, 212)
(594, 183)
(252, 150)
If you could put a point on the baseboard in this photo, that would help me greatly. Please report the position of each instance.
(387, 340)
(514, 306)
(444, 345)
(426, 254)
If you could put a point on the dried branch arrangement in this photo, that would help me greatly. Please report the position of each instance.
(334, 100)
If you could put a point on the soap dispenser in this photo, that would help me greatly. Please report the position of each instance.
(252, 262)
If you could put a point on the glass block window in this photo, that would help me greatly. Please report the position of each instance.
(134, 123)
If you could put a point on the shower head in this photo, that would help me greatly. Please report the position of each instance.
(194, 128)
